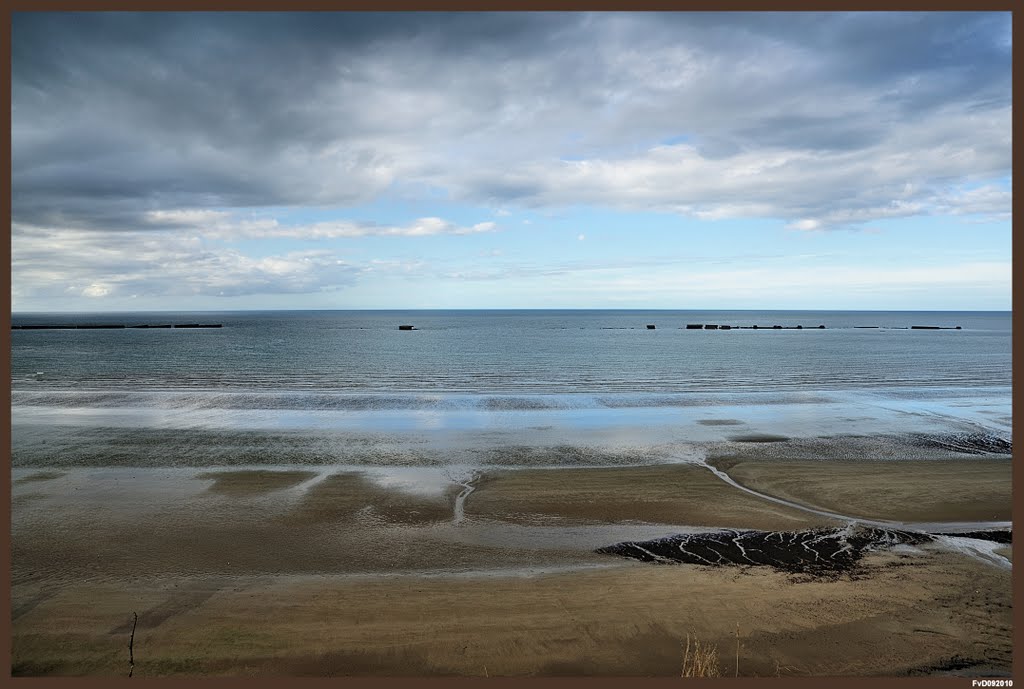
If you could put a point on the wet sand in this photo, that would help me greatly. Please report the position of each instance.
(908, 490)
(667, 494)
(336, 571)
(40, 476)
(344, 496)
(254, 482)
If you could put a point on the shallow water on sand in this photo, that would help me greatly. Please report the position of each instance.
(456, 433)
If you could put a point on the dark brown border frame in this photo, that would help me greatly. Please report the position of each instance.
(463, 5)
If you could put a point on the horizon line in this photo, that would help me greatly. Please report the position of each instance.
(556, 308)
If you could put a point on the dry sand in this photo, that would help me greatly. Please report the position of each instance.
(911, 613)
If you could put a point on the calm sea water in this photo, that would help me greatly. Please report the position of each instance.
(466, 386)
(510, 351)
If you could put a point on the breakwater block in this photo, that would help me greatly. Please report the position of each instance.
(694, 326)
(650, 327)
(406, 327)
(710, 326)
(114, 326)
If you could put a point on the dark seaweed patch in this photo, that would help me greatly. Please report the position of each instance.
(41, 476)
(814, 552)
(996, 536)
(516, 403)
(758, 438)
(968, 443)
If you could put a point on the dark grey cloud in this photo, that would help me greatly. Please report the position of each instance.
(116, 115)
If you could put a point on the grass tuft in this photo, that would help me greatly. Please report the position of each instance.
(700, 659)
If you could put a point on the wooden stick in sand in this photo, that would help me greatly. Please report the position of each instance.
(131, 642)
(737, 649)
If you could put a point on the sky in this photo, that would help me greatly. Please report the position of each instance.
(207, 161)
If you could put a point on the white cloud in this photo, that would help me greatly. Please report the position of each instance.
(805, 224)
(227, 226)
(96, 290)
(62, 263)
(182, 261)
(918, 168)
(186, 216)
(988, 200)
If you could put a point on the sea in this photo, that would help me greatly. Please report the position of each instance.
(351, 387)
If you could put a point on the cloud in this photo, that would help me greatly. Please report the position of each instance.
(75, 263)
(226, 226)
(691, 263)
(812, 189)
(989, 200)
(811, 118)
(187, 217)
(96, 290)
(744, 281)
(805, 285)
(189, 253)
(806, 224)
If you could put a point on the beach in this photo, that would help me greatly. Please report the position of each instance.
(524, 494)
(910, 614)
(492, 344)
(363, 572)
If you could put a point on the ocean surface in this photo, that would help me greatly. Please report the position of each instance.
(475, 378)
